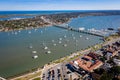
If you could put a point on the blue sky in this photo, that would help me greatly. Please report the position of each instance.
(59, 5)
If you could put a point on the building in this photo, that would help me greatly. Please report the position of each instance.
(117, 61)
(88, 62)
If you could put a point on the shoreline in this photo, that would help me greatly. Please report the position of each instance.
(43, 20)
(66, 58)
(52, 63)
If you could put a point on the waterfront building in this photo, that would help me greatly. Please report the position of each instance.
(117, 61)
(88, 62)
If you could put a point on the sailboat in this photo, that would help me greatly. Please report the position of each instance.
(35, 56)
(45, 47)
(65, 45)
(34, 51)
(80, 35)
(29, 32)
(87, 38)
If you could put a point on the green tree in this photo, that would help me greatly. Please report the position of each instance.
(106, 76)
(115, 70)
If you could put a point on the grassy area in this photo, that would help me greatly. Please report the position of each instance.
(111, 37)
(37, 79)
(35, 74)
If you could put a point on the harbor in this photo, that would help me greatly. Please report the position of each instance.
(33, 48)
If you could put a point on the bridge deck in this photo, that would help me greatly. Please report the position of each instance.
(73, 29)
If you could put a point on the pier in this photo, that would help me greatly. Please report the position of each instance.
(77, 30)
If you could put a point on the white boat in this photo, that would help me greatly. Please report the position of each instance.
(73, 37)
(65, 36)
(60, 39)
(54, 44)
(48, 52)
(19, 31)
(35, 56)
(34, 52)
(81, 28)
(72, 34)
(87, 38)
(29, 32)
(16, 33)
(60, 42)
(76, 40)
(65, 45)
(45, 47)
(53, 41)
(41, 31)
(35, 29)
(30, 47)
(80, 35)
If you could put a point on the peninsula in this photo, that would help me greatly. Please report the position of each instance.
(43, 20)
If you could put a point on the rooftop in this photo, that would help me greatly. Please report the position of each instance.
(88, 62)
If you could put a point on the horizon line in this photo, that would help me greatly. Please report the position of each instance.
(68, 10)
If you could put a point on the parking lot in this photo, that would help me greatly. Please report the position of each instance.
(56, 73)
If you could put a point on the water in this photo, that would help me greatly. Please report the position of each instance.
(16, 56)
(97, 22)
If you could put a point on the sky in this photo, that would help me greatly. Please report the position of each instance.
(59, 5)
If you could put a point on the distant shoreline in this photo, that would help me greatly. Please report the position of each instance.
(59, 18)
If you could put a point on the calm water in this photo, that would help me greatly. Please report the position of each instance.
(97, 22)
(16, 56)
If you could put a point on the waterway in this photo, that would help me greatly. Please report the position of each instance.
(16, 56)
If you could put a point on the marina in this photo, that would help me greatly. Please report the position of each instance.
(33, 48)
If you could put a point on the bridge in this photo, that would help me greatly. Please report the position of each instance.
(77, 30)
(72, 29)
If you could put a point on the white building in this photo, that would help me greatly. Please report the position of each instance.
(117, 61)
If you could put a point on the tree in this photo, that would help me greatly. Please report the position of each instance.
(115, 70)
(106, 76)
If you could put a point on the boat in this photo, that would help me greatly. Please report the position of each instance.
(60, 39)
(34, 51)
(41, 31)
(80, 35)
(65, 36)
(35, 56)
(73, 37)
(110, 29)
(60, 42)
(30, 47)
(48, 52)
(45, 47)
(54, 44)
(19, 31)
(76, 40)
(72, 34)
(65, 45)
(53, 41)
(29, 32)
(43, 44)
(81, 28)
(16, 33)
(35, 29)
(87, 38)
